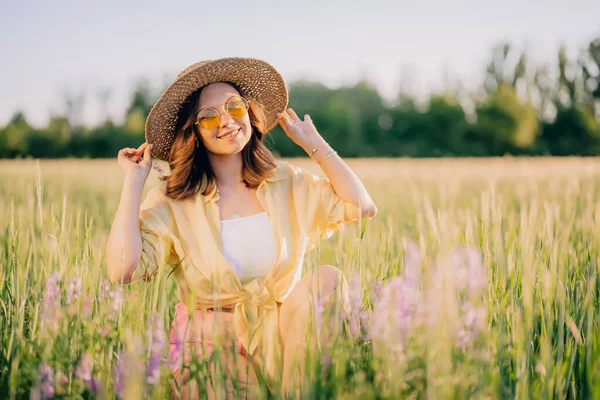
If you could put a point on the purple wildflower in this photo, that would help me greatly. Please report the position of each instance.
(402, 295)
(117, 300)
(86, 309)
(356, 316)
(408, 298)
(398, 304)
(472, 324)
(412, 261)
(51, 303)
(175, 353)
(395, 311)
(83, 370)
(95, 385)
(469, 272)
(118, 374)
(46, 381)
(103, 330)
(103, 290)
(153, 370)
(376, 287)
(157, 341)
(61, 378)
(464, 339)
(128, 366)
(52, 291)
(74, 289)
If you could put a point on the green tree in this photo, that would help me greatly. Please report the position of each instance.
(446, 126)
(575, 128)
(437, 130)
(589, 63)
(500, 72)
(14, 136)
(505, 124)
(142, 98)
(53, 141)
(573, 132)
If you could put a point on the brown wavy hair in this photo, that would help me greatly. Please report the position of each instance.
(188, 157)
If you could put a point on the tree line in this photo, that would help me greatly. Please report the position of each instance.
(518, 109)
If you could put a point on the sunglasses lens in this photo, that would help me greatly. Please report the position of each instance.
(237, 107)
(208, 119)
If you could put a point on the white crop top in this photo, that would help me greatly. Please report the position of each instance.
(248, 245)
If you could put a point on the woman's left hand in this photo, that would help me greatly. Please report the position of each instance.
(303, 133)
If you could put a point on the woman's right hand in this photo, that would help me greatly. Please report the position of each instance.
(136, 161)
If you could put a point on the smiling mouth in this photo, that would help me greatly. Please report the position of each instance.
(230, 135)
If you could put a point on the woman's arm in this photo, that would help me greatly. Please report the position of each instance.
(343, 180)
(124, 246)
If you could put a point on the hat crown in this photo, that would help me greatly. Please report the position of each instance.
(191, 67)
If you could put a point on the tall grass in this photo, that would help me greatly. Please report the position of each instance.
(534, 221)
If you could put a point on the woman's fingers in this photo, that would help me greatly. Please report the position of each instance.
(137, 153)
(147, 155)
(126, 152)
(134, 154)
(293, 114)
(309, 119)
(141, 148)
(287, 120)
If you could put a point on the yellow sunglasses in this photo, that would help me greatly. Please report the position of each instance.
(210, 118)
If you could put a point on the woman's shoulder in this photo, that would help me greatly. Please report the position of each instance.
(159, 190)
(295, 173)
(282, 171)
(156, 196)
(288, 170)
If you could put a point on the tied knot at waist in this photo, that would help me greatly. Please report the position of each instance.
(258, 295)
(255, 307)
(256, 322)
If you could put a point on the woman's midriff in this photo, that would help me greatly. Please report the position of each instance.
(201, 333)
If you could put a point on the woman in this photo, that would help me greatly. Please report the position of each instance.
(233, 222)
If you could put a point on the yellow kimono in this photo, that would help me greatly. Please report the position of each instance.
(302, 209)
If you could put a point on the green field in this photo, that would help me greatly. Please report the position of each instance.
(535, 334)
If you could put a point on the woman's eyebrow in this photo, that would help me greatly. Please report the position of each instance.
(217, 106)
(222, 103)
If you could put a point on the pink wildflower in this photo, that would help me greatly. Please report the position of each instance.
(46, 381)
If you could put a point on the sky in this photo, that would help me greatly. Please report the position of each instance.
(50, 48)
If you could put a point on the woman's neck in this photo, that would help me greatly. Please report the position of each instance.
(227, 169)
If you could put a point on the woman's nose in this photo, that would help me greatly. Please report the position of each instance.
(226, 119)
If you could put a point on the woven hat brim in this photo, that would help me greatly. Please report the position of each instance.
(257, 79)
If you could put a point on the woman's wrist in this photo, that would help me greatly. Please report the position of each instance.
(135, 180)
(319, 150)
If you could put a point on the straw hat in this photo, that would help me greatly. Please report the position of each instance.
(257, 79)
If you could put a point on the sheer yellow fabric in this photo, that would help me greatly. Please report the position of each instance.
(302, 208)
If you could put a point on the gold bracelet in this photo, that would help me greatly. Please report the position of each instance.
(332, 152)
(315, 149)
(329, 154)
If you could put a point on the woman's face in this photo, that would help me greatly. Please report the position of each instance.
(215, 95)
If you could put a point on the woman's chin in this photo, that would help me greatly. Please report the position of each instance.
(238, 144)
(231, 149)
